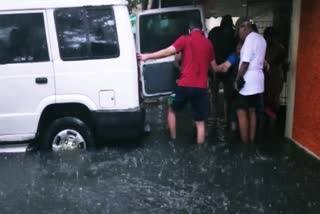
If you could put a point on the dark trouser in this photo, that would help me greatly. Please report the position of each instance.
(227, 81)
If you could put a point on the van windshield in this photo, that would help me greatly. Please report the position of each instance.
(158, 31)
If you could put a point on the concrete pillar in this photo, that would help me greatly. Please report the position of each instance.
(293, 55)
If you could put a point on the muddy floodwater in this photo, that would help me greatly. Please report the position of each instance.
(156, 176)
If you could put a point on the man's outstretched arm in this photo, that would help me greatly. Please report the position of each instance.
(159, 54)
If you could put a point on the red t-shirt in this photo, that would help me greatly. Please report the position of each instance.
(197, 54)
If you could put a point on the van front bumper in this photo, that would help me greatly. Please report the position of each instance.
(119, 124)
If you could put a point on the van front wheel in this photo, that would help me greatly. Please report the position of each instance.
(67, 133)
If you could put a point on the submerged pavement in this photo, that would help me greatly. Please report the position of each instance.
(156, 176)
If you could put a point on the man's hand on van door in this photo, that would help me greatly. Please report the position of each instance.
(142, 57)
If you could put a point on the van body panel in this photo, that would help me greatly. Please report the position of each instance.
(16, 137)
(20, 94)
(26, 89)
(119, 124)
(89, 77)
(15, 5)
(77, 98)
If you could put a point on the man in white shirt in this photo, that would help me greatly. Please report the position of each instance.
(252, 59)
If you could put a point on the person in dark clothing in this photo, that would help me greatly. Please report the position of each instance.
(255, 28)
(275, 76)
(224, 41)
(232, 63)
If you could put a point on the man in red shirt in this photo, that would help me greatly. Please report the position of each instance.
(197, 56)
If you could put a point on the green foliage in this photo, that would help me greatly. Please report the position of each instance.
(133, 3)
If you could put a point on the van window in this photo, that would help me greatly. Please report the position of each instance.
(23, 38)
(86, 33)
(158, 31)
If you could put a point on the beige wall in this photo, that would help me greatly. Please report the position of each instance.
(293, 54)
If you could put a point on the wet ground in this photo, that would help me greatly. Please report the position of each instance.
(155, 176)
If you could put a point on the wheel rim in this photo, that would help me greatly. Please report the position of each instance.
(68, 140)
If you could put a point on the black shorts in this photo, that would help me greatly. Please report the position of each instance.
(198, 99)
(250, 101)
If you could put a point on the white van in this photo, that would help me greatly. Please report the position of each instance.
(69, 73)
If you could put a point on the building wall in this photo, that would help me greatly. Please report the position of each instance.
(306, 121)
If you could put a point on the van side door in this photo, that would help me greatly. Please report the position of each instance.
(26, 73)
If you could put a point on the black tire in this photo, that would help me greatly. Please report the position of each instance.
(47, 136)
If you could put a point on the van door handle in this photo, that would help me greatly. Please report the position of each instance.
(41, 80)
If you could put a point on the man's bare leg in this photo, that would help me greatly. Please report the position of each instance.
(253, 124)
(172, 123)
(201, 132)
(243, 124)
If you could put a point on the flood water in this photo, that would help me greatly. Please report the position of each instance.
(156, 176)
